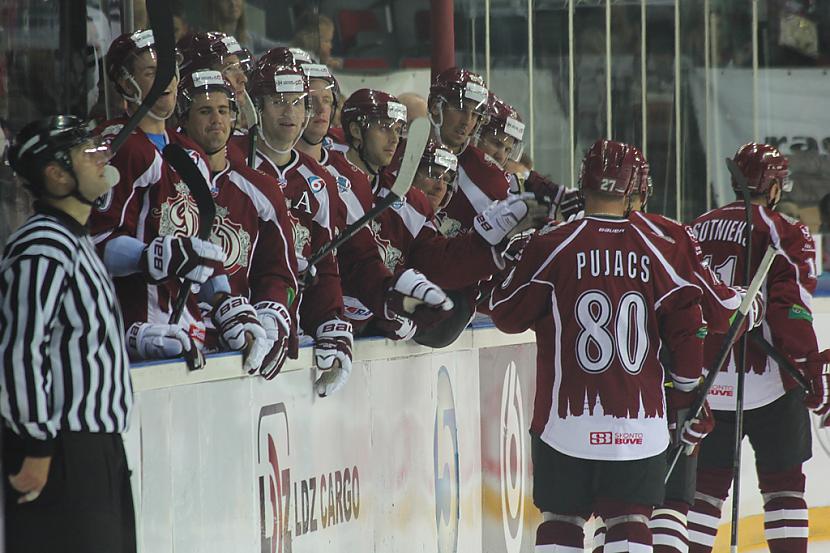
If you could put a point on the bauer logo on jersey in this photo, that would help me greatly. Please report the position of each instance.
(343, 184)
(315, 183)
(514, 128)
(288, 83)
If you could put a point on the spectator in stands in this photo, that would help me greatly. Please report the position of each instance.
(180, 25)
(416, 105)
(315, 34)
(228, 16)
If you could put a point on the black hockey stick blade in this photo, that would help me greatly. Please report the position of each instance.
(160, 16)
(415, 143)
(179, 159)
(728, 341)
(782, 360)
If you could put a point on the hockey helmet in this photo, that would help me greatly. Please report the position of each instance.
(269, 80)
(761, 164)
(438, 162)
(455, 85)
(611, 167)
(367, 106)
(210, 50)
(644, 186)
(504, 121)
(203, 82)
(50, 140)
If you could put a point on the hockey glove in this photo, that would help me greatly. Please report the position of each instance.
(415, 297)
(302, 269)
(157, 341)
(816, 367)
(185, 257)
(505, 218)
(571, 205)
(333, 356)
(693, 430)
(239, 328)
(545, 190)
(397, 328)
(276, 321)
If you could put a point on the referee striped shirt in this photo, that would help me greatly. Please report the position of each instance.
(65, 366)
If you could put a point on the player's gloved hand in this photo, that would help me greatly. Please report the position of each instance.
(816, 367)
(571, 205)
(157, 341)
(333, 356)
(506, 218)
(693, 430)
(397, 328)
(184, 257)
(276, 321)
(546, 191)
(240, 330)
(416, 298)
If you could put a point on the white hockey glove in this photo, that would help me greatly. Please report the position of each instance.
(185, 257)
(333, 356)
(396, 328)
(302, 269)
(416, 298)
(506, 218)
(239, 327)
(276, 321)
(157, 341)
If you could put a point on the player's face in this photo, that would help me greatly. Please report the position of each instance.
(499, 146)
(283, 117)
(458, 124)
(210, 121)
(434, 187)
(88, 162)
(322, 102)
(381, 139)
(232, 70)
(144, 73)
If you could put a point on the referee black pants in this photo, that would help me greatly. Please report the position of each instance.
(86, 505)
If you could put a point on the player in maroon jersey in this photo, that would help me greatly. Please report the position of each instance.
(145, 226)
(405, 233)
(775, 419)
(252, 222)
(500, 138)
(605, 298)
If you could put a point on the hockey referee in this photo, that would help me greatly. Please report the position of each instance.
(65, 391)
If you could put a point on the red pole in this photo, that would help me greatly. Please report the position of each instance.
(443, 35)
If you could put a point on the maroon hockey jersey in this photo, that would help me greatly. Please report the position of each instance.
(604, 298)
(791, 281)
(149, 200)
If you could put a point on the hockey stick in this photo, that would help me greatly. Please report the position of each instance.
(416, 141)
(252, 118)
(195, 182)
(740, 362)
(160, 15)
(726, 347)
(782, 360)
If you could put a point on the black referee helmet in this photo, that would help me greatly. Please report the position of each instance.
(45, 141)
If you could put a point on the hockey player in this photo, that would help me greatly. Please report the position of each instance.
(775, 419)
(405, 234)
(281, 95)
(251, 216)
(145, 226)
(500, 139)
(599, 430)
(375, 288)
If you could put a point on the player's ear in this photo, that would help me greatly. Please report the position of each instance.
(355, 132)
(57, 180)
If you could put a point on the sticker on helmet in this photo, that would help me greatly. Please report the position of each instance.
(316, 71)
(396, 111)
(514, 128)
(232, 44)
(475, 92)
(289, 83)
(445, 159)
(143, 39)
(207, 78)
(300, 55)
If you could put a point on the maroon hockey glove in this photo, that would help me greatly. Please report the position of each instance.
(694, 430)
(571, 204)
(546, 190)
(185, 257)
(816, 367)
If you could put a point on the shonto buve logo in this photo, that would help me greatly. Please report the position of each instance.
(512, 461)
(445, 454)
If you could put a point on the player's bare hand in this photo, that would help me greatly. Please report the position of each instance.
(32, 478)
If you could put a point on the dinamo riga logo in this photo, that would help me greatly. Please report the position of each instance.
(233, 239)
(512, 460)
(178, 215)
(445, 455)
